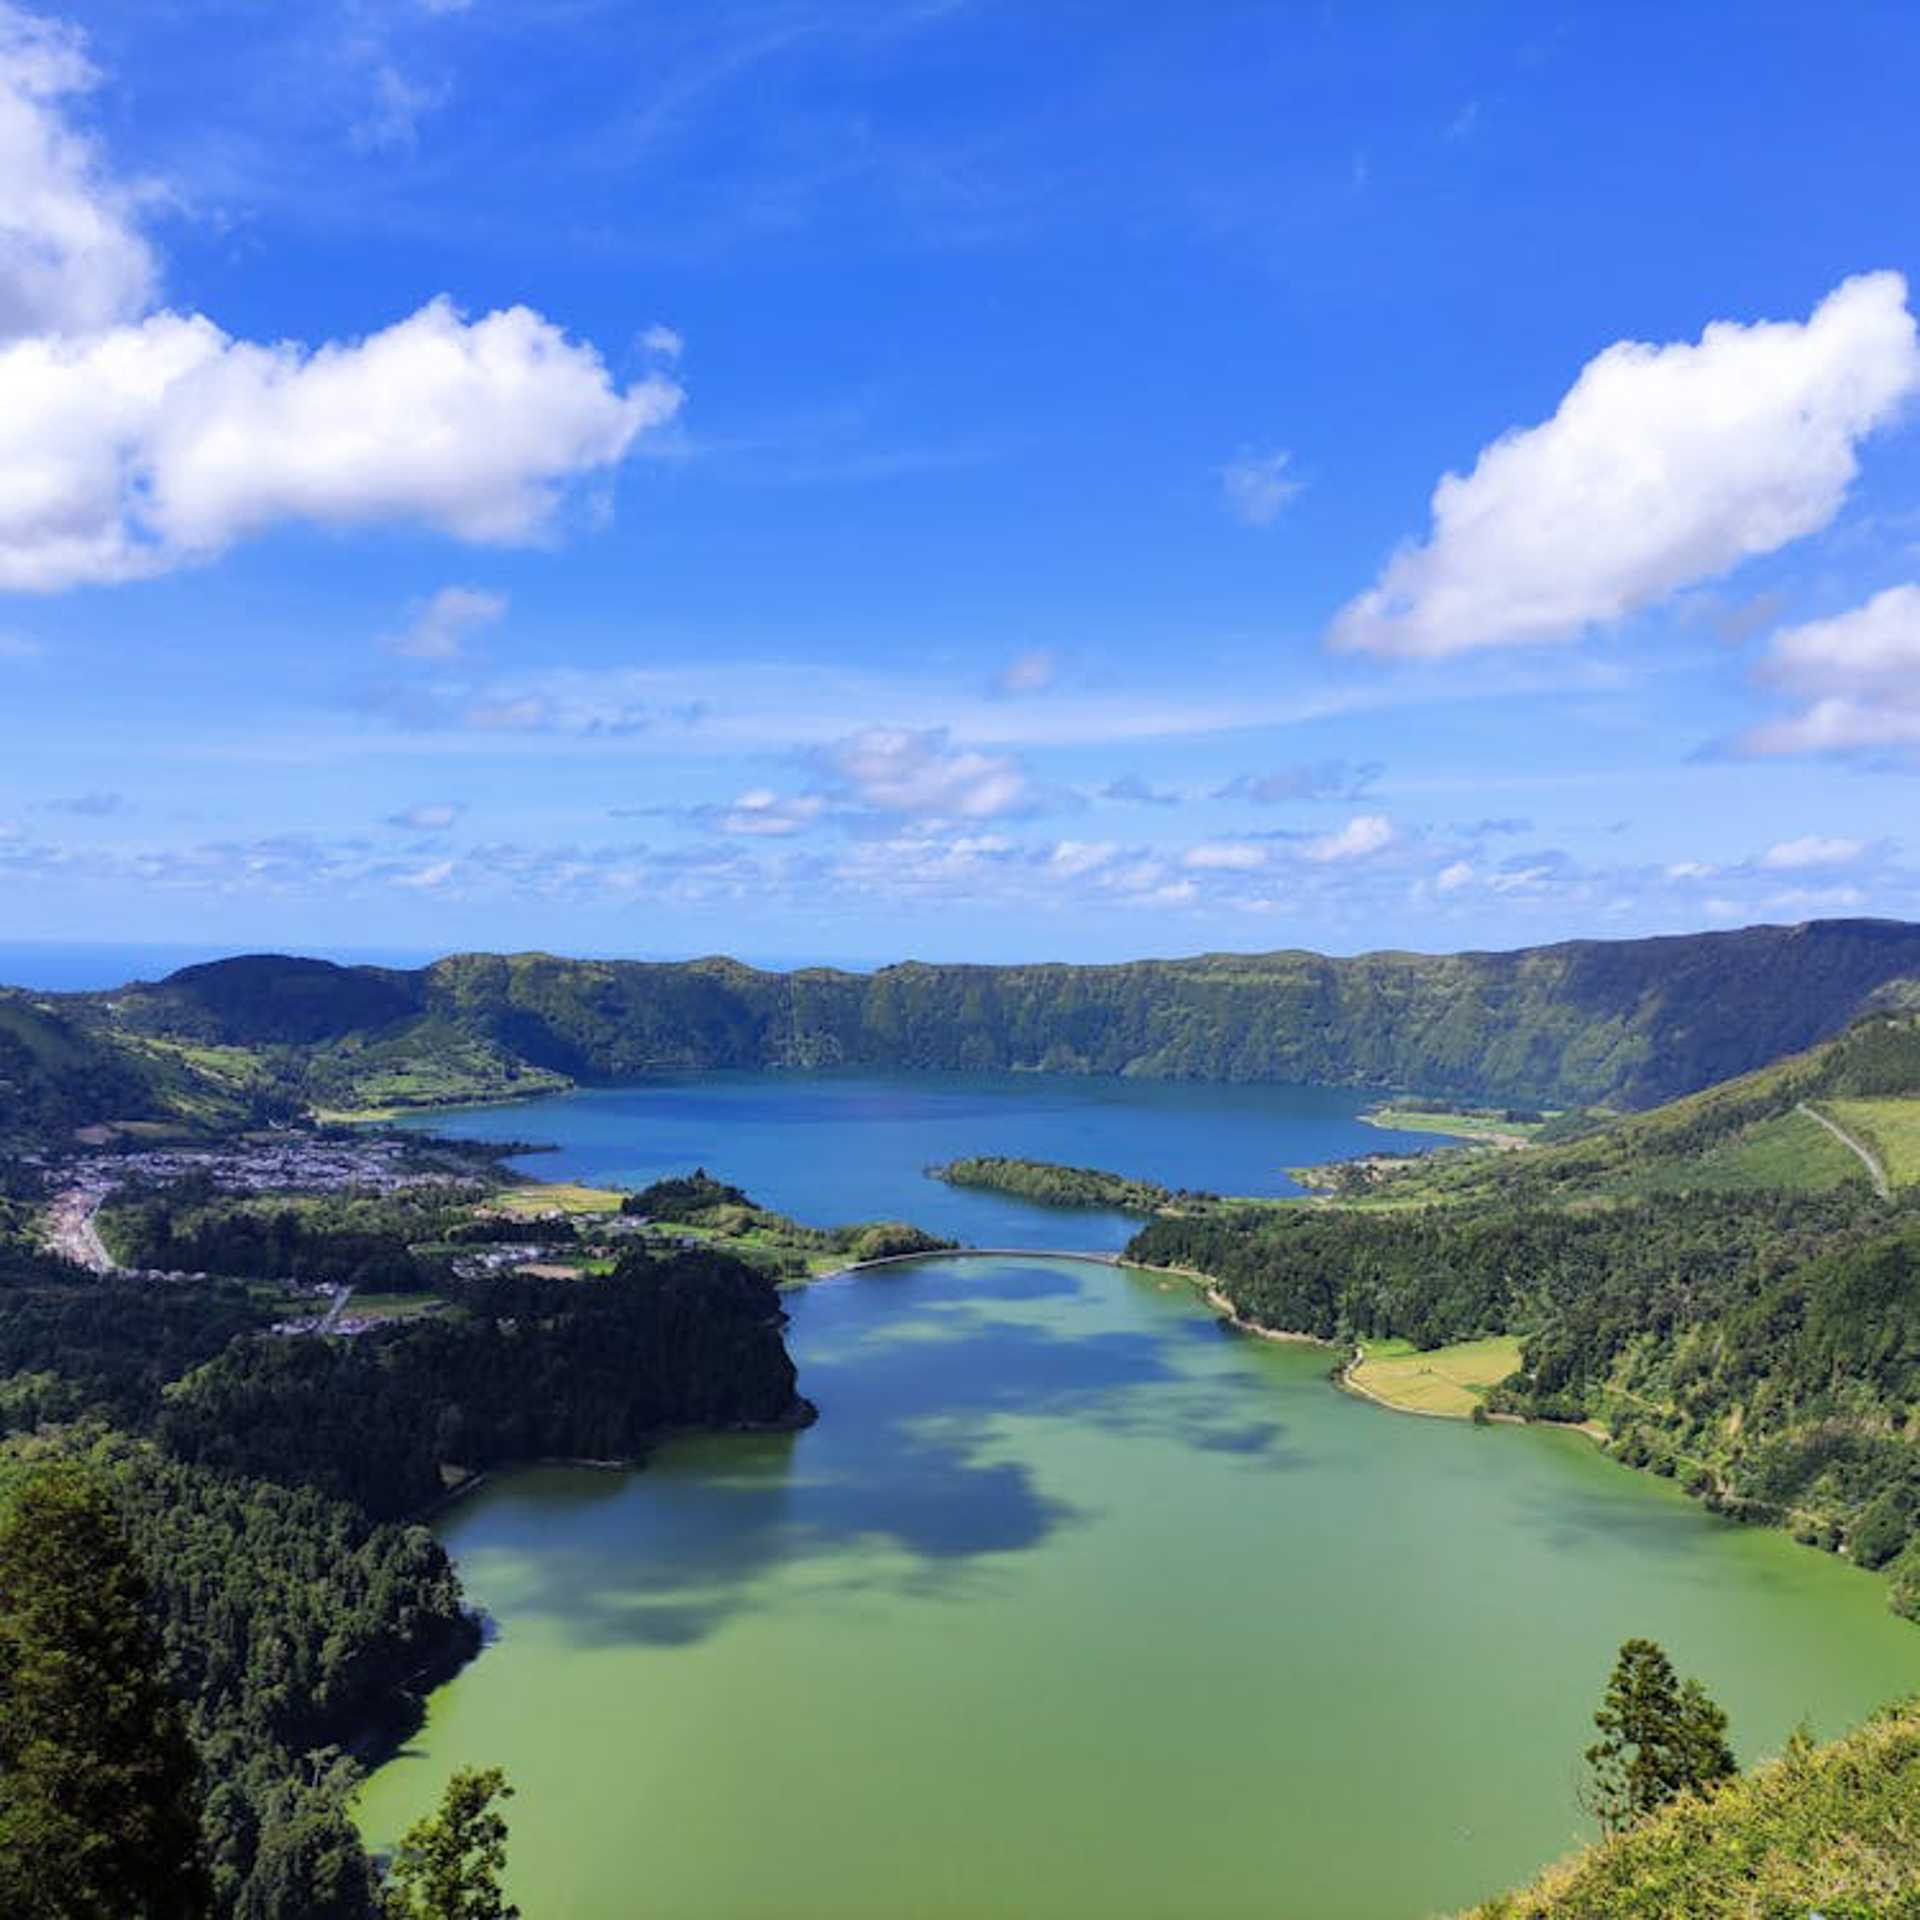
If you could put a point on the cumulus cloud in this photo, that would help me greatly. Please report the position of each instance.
(1258, 487)
(1812, 850)
(444, 622)
(71, 256)
(133, 441)
(905, 770)
(1135, 789)
(762, 814)
(1364, 834)
(1859, 673)
(664, 341)
(1663, 466)
(1451, 879)
(1081, 856)
(1225, 856)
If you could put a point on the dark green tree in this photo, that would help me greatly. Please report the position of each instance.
(449, 1864)
(1659, 1737)
(98, 1801)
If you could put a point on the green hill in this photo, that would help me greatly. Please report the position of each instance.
(1826, 1830)
(1621, 1023)
(1720, 1284)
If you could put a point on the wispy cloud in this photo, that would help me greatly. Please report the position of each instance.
(1259, 487)
(441, 625)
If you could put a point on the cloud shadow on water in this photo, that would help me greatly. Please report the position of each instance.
(906, 1461)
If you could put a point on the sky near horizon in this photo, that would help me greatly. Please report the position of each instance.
(868, 478)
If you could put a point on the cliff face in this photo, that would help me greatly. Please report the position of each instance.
(1627, 1023)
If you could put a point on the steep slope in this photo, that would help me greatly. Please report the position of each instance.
(1823, 1830)
(1627, 1023)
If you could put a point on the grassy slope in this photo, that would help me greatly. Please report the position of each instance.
(1449, 1381)
(1831, 1830)
(1888, 1128)
(1743, 1135)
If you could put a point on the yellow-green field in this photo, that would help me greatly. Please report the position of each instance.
(563, 1197)
(1448, 1380)
(1460, 1124)
(1888, 1129)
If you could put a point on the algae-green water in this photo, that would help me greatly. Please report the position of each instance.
(1076, 1604)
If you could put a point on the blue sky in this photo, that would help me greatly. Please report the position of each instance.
(959, 480)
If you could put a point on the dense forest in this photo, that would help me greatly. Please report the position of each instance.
(779, 1246)
(270, 1489)
(1624, 1023)
(1056, 1186)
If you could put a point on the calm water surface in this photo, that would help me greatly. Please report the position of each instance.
(835, 1147)
(1075, 1605)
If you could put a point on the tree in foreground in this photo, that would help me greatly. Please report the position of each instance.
(1660, 1737)
(98, 1804)
(449, 1864)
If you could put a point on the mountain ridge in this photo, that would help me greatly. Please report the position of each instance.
(1619, 1023)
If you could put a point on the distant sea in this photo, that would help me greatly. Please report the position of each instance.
(82, 966)
(67, 966)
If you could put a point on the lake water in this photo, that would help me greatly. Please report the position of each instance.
(836, 1147)
(1076, 1605)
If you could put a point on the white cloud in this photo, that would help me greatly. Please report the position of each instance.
(426, 878)
(1860, 674)
(1225, 856)
(904, 770)
(664, 341)
(70, 255)
(1258, 487)
(393, 116)
(1364, 834)
(1691, 870)
(1451, 879)
(1812, 850)
(429, 818)
(1028, 673)
(762, 814)
(1081, 856)
(444, 621)
(1663, 466)
(133, 441)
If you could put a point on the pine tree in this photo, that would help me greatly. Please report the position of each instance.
(1659, 1738)
(98, 1802)
(448, 1865)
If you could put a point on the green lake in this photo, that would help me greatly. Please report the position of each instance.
(1075, 1603)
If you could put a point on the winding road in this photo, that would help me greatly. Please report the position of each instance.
(1875, 1171)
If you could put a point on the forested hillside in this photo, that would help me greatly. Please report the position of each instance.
(1737, 1303)
(1624, 1023)
(270, 1487)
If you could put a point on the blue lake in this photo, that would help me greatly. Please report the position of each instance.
(835, 1147)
